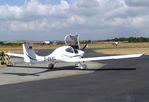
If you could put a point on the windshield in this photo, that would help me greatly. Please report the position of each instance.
(70, 50)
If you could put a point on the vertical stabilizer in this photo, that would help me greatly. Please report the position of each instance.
(29, 53)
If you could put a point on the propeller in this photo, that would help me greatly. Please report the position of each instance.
(84, 47)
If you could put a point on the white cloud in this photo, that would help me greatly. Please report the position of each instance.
(101, 17)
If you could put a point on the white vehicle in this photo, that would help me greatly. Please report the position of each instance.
(63, 54)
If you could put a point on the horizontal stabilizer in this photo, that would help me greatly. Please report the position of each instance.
(15, 55)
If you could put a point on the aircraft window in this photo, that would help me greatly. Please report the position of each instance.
(69, 50)
(76, 51)
(30, 47)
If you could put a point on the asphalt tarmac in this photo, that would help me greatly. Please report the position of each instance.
(123, 80)
(23, 72)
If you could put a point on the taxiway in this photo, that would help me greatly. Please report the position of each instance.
(123, 80)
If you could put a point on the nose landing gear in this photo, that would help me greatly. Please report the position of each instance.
(81, 66)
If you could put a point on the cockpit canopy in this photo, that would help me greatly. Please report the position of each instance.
(73, 41)
(69, 49)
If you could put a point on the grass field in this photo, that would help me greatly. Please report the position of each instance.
(122, 48)
(18, 49)
(101, 48)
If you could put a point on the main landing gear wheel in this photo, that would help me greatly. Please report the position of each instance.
(51, 66)
(81, 66)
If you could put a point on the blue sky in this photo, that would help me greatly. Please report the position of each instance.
(12, 2)
(91, 19)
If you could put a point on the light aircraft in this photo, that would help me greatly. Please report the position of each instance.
(64, 54)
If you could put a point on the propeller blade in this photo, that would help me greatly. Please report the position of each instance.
(84, 47)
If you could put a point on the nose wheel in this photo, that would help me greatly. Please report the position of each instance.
(81, 66)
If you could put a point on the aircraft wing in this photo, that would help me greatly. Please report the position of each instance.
(15, 55)
(104, 58)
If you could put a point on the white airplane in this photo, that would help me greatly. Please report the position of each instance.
(63, 54)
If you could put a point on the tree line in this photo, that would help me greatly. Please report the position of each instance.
(130, 39)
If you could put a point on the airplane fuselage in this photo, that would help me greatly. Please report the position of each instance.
(64, 53)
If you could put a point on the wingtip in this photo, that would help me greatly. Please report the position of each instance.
(139, 55)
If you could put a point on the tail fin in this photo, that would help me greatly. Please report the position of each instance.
(29, 54)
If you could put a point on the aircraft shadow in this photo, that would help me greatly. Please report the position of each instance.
(100, 69)
(28, 74)
(64, 68)
(110, 69)
(34, 67)
(74, 68)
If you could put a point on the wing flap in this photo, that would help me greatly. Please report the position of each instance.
(105, 58)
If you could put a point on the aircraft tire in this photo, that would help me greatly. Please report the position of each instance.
(51, 66)
(81, 66)
(84, 67)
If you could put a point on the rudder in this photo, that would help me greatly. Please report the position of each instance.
(29, 53)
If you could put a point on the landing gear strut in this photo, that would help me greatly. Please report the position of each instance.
(51, 66)
(81, 66)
